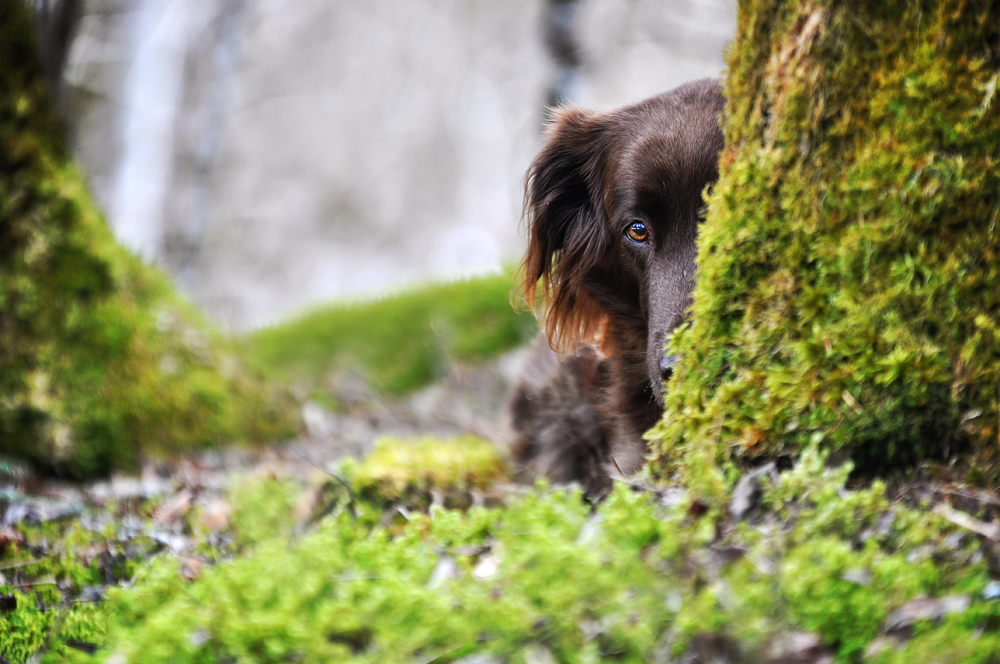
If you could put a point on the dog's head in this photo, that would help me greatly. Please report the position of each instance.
(613, 203)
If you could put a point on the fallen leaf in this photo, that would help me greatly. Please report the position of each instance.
(174, 509)
(190, 568)
(215, 516)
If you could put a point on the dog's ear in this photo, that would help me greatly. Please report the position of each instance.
(568, 238)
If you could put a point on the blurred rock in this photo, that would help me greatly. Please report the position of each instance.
(920, 610)
(880, 644)
(861, 577)
(444, 571)
(536, 653)
(748, 490)
(487, 567)
(190, 568)
(798, 648)
(480, 659)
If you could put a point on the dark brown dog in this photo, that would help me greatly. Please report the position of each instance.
(613, 204)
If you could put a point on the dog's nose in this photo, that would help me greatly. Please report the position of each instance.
(667, 364)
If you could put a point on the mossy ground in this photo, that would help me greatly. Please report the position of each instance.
(52, 576)
(848, 268)
(413, 471)
(399, 343)
(100, 361)
(643, 577)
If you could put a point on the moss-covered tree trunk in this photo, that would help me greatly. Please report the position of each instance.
(99, 359)
(849, 269)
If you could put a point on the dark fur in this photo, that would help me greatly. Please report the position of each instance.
(609, 303)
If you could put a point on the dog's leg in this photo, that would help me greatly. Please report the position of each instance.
(557, 427)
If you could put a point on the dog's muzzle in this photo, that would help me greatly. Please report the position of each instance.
(667, 364)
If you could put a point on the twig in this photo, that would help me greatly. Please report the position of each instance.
(990, 531)
(521, 297)
(32, 584)
(22, 563)
(450, 653)
(617, 467)
(352, 503)
(979, 496)
(143, 570)
(459, 650)
(50, 637)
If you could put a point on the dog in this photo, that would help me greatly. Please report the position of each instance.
(612, 205)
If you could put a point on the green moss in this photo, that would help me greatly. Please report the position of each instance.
(818, 570)
(401, 342)
(958, 641)
(84, 627)
(24, 630)
(100, 361)
(627, 581)
(400, 469)
(841, 582)
(350, 593)
(264, 509)
(848, 274)
(47, 570)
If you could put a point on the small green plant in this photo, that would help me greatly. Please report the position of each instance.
(411, 470)
(264, 509)
(546, 575)
(630, 580)
(50, 575)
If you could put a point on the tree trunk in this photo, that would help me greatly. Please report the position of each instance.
(849, 268)
(99, 360)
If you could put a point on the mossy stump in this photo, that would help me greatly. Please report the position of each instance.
(849, 267)
(100, 360)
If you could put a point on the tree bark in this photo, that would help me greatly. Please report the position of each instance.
(100, 361)
(849, 268)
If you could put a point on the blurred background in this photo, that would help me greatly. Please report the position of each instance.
(271, 154)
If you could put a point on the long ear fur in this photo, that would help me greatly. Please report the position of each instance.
(568, 242)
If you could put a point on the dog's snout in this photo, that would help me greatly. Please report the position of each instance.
(667, 364)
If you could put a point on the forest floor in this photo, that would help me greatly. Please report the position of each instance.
(918, 561)
(182, 507)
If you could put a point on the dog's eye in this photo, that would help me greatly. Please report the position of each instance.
(637, 232)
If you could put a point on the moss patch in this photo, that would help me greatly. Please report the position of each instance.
(848, 269)
(631, 581)
(411, 470)
(51, 579)
(371, 577)
(100, 361)
(399, 343)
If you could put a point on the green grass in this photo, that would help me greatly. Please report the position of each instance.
(399, 343)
